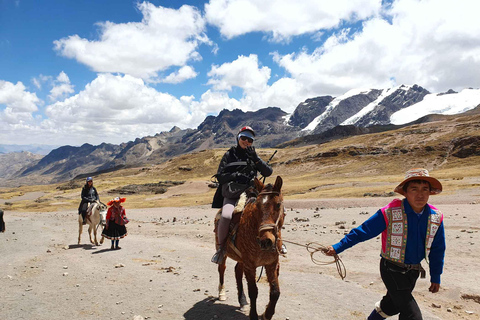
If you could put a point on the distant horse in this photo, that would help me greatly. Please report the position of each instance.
(96, 213)
(258, 242)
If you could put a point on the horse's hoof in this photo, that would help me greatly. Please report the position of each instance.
(243, 301)
(222, 297)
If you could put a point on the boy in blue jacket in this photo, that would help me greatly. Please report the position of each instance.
(412, 230)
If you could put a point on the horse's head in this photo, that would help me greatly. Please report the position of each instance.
(269, 206)
(103, 212)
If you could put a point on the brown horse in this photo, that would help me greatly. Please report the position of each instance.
(258, 242)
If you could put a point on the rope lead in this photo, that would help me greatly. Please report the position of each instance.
(314, 247)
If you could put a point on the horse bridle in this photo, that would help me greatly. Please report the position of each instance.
(271, 226)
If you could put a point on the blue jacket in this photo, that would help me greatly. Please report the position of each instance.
(417, 230)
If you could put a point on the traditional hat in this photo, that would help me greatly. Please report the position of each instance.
(117, 199)
(420, 174)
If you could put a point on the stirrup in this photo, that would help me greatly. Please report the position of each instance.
(218, 256)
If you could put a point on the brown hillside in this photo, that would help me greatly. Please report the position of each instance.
(351, 167)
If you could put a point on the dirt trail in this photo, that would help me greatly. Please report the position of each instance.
(163, 270)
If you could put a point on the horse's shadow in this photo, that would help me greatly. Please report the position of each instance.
(87, 247)
(207, 309)
(83, 246)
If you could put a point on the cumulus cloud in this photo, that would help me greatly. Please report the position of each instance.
(283, 19)
(16, 98)
(184, 73)
(121, 107)
(164, 38)
(412, 42)
(244, 73)
(61, 87)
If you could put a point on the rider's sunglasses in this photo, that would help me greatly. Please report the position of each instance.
(243, 138)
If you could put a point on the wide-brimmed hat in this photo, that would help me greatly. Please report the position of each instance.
(117, 199)
(420, 174)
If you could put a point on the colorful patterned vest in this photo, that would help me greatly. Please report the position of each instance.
(394, 238)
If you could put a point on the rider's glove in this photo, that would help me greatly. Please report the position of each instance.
(252, 154)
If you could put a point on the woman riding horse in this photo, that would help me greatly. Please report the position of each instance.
(237, 169)
(89, 194)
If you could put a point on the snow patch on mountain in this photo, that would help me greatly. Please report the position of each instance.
(370, 107)
(312, 125)
(447, 104)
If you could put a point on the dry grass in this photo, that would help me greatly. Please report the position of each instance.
(305, 173)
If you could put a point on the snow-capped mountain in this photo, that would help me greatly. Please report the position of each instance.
(447, 104)
(366, 107)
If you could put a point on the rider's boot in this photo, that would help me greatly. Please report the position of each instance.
(219, 256)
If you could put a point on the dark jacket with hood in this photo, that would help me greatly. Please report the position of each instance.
(89, 194)
(238, 166)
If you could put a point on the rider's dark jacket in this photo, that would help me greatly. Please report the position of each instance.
(228, 170)
(89, 194)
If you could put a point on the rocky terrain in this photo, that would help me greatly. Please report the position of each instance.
(163, 270)
(316, 120)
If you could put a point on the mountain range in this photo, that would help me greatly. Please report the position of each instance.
(314, 121)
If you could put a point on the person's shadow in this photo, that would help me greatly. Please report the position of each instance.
(207, 309)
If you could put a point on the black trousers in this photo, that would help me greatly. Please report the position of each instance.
(400, 284)
(82, 209)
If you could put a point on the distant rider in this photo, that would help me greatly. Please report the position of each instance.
(89, 194)
(237, 169)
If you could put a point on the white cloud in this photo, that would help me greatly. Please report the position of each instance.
(283, 19)
(430, 43)
(16, 98)
(61, 87)
(164, 38)
(40, 80)
(244, 73)
(184, 73)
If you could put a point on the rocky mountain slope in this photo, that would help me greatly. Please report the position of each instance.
(315, 120)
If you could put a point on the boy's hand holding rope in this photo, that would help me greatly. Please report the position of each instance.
(314, 247)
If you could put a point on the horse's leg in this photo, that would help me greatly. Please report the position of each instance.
(252, 292)
(222, 296)
(96, 229)
(95, 234)
(90, 232)
(239, 277)
(80, 227)
(272, 272)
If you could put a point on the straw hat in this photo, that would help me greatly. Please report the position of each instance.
(420, 174)
(117, 199)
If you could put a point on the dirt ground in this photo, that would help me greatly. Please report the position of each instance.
(163, 270)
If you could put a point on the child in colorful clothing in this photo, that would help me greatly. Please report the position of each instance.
(116, 220)
(412, 230)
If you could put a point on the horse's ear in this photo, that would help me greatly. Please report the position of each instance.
(258, 184)
(278, 184)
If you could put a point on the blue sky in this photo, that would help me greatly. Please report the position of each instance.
(74, 72)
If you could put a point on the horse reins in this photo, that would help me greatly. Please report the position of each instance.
(313, 247)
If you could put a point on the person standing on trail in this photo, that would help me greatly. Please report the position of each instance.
(237, 169)
(115, 222)
(2, 223)
(89, 194)
(412, 230)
